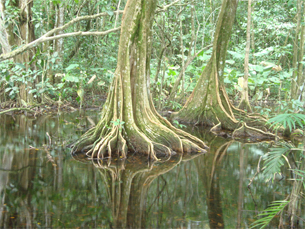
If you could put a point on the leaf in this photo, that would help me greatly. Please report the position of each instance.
(23, 103)
(287, 120)
(275, 208)
(60, 85)
(237, 55)
(226, 80)
(81, 93)
(230, 61)
(274, 160)
(55, 2)
(20, 65)
(110, 13)
(32, 91)
(71, 66)
(71, 78)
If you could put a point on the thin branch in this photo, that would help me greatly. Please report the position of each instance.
(164, 8)
(50, 140)
(80, 33)
(45, 37)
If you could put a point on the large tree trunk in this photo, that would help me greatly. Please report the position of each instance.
(244, 102)
(4, 36)
(129, 120)
(60, 19)
(25, 35)
(297, 66)
(209, 103)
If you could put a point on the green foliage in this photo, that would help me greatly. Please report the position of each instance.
(301, 178)
(291, 106)
(275, 159)
(175, 105)
(290, 121)
(118, 123)
(177, 124)
(274, 209)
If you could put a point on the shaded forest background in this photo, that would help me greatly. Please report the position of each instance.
(79, 68)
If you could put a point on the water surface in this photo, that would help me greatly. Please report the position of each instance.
(42, 185)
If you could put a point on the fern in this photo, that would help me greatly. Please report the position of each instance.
(274, 159)
(275, 208)
(300, 173)
(287, 121)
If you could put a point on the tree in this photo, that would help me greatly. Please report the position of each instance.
(209, 103)
(129, 120)
(4, 36)
(244, 101)
(297, 83)
(23, 34)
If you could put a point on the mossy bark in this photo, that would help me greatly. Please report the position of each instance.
(209, 103)
(129, 121)
(244, 103)
(25, 35)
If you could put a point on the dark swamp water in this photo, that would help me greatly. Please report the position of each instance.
(48, 188)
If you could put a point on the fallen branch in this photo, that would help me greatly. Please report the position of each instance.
(17, 109)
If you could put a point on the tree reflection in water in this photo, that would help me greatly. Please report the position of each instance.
(128, 182)
(209, 191)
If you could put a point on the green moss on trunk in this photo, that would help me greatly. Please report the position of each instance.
(129, 120)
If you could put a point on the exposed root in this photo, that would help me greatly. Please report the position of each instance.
(216, 128)
(130, 123)
(118, 142)
(246, 131)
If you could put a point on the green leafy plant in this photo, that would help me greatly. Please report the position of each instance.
(275, 159)
(175, 105)
(177, 124)
(274, 209)
(118, 123)
(290, 121)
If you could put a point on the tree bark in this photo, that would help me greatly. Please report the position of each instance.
(59, 43)
(129, 120)
(26, 36)
(244, 102)
(209, 103)
(4, 37)
(294, 85)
